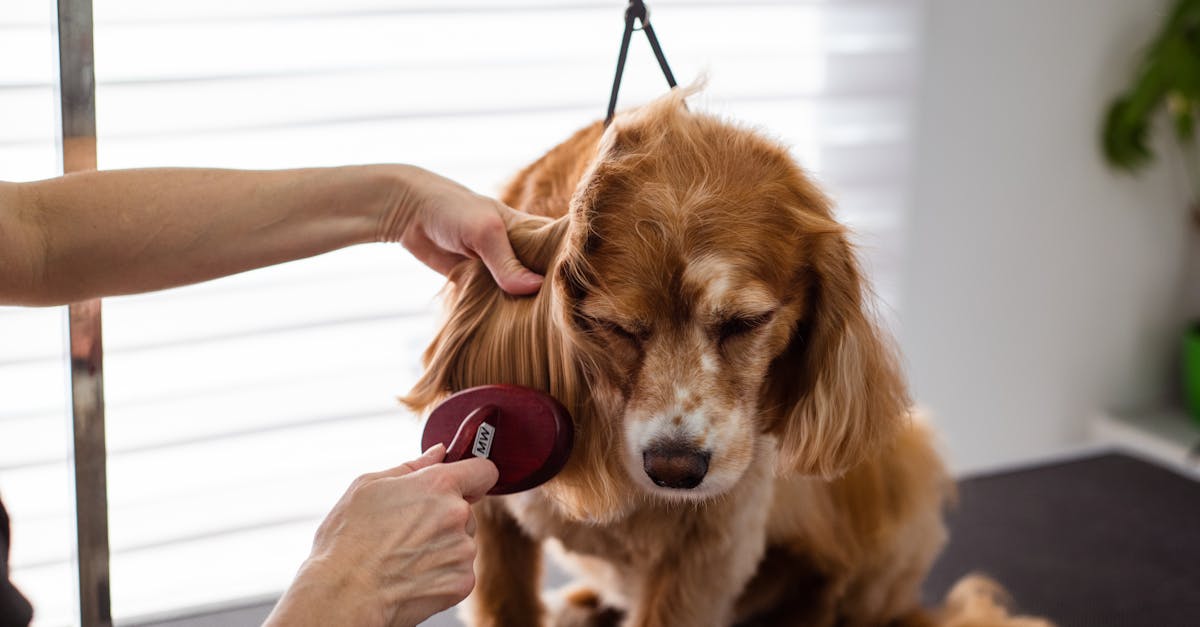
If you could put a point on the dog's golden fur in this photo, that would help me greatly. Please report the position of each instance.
(698, 288)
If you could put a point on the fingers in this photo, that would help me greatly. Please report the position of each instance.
(472, 478)
(433, 455)
(497, 254)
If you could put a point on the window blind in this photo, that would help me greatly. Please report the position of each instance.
(35, 428)
(239, 409)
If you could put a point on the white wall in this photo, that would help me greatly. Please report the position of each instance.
(1042, 286)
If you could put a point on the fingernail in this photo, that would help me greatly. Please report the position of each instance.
(431, 449)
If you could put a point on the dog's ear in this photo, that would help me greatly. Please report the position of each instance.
(603, 182)
(837, 387)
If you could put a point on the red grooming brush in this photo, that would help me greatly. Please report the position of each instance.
(526, 433)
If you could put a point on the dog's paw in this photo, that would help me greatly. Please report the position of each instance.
(580, 606)
(977, 601)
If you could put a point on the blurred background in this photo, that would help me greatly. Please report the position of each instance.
(1039, 295)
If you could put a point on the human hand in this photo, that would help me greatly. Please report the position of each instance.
(443, 223)
(397, 548)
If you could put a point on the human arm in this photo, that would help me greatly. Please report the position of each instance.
(116, 232)
(396, 549)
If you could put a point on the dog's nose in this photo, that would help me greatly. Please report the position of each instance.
(675, 465)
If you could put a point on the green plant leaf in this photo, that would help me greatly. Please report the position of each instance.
(1124, 138)
(1183, 115)
(1169, 76)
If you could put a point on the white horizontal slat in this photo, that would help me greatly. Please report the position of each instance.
(28, 162)
(28, 120)
(252, 564)
(33, 368)
(34, 495)
(318, 461)
(41, 503)
(375, 259)
(25, 14)
(221, 410)
(27, 102)
(246, 400)
(28, 334)
(35, 439)
(134, 11)
(362, 284)
(211, 493)
(209, 488)
(30, 116)
(450, 147)
(33, 44)
(187, 369)
(483, 152)
(230, 568)
(298, 102)
(358, 283)
(692, 35)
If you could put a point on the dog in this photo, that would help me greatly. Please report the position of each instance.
(745, 452)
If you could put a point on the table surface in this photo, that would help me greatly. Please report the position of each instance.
(1104, 540)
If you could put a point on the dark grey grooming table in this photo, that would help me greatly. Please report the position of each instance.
(1104, 540)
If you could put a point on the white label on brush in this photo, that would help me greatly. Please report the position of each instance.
(483, 440)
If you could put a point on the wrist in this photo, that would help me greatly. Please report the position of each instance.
(398, 184)
(328, 593)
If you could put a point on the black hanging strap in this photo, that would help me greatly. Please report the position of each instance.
(636, 10)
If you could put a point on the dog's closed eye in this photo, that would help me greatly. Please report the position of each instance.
(634, 334)
(740, 325)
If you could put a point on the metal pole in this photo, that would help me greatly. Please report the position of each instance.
(77, 84)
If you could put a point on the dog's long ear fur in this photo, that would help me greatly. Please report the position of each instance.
(492, 337)
(837, 387)
(489, 336)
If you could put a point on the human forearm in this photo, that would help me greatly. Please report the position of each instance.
(127, 231)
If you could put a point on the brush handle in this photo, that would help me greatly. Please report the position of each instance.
(474, 436)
